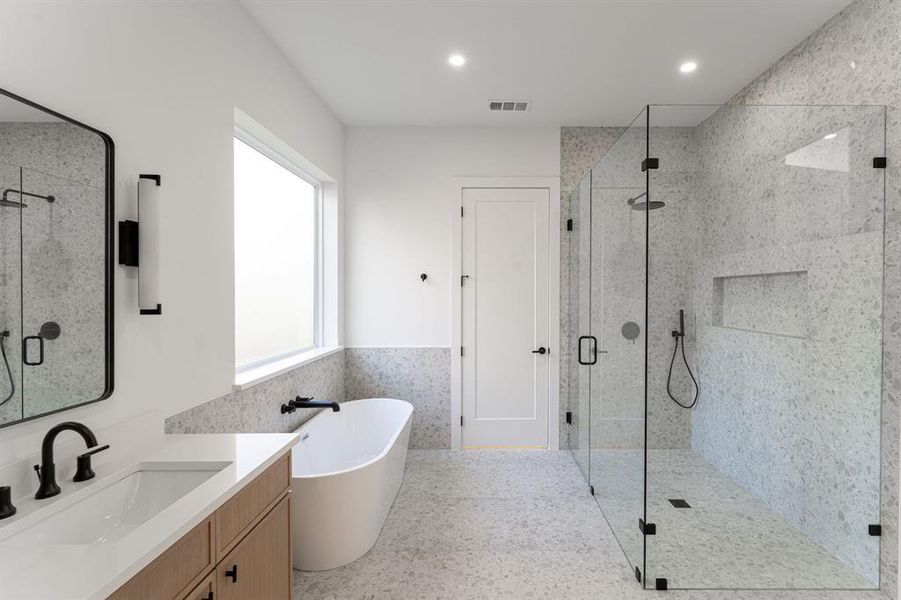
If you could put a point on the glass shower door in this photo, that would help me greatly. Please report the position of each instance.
(617, 320)
(579, 325)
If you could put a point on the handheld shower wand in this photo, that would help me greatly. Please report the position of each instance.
(679, 336)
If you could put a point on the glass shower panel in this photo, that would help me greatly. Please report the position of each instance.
(10, 294)
(769, 240)
(579, 302)
(617, 320)
(63, 317)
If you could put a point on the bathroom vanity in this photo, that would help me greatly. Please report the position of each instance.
(199, 517)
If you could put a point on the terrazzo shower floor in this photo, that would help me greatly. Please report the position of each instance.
(726, 539)
(499, 525)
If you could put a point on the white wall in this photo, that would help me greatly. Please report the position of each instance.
(400, 203)
(163, 79)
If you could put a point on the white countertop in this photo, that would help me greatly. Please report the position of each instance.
(63, 572)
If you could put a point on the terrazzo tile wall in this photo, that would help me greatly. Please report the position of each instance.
(61, 276)
(420, 376)
(856, 59)
(256, 409)
(788, 304)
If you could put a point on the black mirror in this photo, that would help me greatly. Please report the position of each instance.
(56, 261)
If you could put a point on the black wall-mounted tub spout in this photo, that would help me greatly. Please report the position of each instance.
(299, 402)
(47, 470)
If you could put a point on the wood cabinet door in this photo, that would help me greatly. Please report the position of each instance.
(259, 567)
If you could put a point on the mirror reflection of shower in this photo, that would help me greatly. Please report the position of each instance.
(5, 202)
(12, 384)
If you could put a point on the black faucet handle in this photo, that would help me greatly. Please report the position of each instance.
(84, 471)
(6, 506)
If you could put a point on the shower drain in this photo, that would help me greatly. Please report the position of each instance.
(679, 503)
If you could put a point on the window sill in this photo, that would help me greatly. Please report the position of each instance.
(252, 377)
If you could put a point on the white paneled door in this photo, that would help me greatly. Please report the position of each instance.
(505, 360)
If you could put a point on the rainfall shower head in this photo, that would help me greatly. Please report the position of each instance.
(654, 204)
(5, 202)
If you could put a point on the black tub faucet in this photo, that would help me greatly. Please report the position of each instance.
(47, 470)
(299, 402)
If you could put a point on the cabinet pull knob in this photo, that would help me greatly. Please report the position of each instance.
(233, 573)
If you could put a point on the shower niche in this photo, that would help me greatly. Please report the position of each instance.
(56, 277)
(774, 303)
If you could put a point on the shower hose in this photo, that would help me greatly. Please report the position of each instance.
(679, 337)
(12, 384)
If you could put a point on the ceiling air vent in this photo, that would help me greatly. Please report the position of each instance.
(508, 105)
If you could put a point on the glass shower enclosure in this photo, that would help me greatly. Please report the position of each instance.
(726, 289)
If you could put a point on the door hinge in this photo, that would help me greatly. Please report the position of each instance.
(569, 418)
(461, 211)
(874, 530)
(591, 489)
(462, 279)
(461, 350)
(660, 584)
(569, 224)
(650, 163)
(880, 162)
(647, 528)
(461, 420)
(638, 574)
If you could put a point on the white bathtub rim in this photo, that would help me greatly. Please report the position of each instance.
(390, 444)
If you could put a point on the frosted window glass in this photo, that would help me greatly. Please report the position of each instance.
(275, 259)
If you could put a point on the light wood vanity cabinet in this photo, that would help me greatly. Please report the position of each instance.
(256, 567)
(250, 532)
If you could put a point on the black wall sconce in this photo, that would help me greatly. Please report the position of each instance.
(139, 244)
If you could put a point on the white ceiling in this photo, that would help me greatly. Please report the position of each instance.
(380, 62)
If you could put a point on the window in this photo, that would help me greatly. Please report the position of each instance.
(277, 281)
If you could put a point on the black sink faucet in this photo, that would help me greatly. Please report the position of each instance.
(299, 402)
(47, 469)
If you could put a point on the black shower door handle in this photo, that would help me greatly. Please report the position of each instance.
(593, 356)
(40, 350)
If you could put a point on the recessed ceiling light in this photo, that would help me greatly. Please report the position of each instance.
(456, 60)
(688, 67)
(830, 136)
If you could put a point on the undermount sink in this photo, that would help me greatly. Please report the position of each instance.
(115, 510)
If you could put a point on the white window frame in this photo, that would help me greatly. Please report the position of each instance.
(266, 150)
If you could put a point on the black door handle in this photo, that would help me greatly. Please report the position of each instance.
(594, 350)
(25, 350)
(233, 573)
(541, 350)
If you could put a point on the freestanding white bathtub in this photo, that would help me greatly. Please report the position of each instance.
(347, 469)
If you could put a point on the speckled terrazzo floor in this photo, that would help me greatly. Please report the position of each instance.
(727, 538)
(499, 525)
